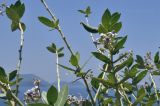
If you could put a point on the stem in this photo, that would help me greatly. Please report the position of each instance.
(104, 74)
(6, 88)
(20, 59)
(58, 74)
(66, 43)
(154, 86)
(88, 90)
(58, 28)
(100, 85)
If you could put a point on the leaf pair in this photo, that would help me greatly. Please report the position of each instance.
(53, 49)
(15, 13)
(110, 21)
(87, 11)
(7, 78)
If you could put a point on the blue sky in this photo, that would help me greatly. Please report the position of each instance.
(140, 20)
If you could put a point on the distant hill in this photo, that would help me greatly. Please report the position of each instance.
(27, 83)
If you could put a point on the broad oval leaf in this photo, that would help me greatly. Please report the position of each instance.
(12, 75)
(115, 17)
(89, 28)
(101, 57)
(47, 22)
(74, 60)
(16, 11)
(52, 95)
(106, 18)
(62, 96)
(120, 44)
(116, 27)
(101, 29)
(19, 8)
(139, 77)
(12, 14)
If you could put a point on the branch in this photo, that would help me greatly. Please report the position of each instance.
(67, 44)
(20, 58)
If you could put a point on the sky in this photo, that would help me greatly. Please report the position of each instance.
(140, 20)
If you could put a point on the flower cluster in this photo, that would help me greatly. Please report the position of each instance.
(33, 94)
(73, 100)
(106, 40)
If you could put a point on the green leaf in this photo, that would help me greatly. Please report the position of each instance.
(106, 19)
(62, 96)
(111, 79)
(3, 76)
(16, 11)
(115, 17)
(133, 72)
(46, 22)
(60, 49)
(101, 29)
(82, 11)
(12, 14)
(139, 77)
(23, 26)
(155, 72)
(101, 57)
(156, 57)
(19, 8)
(60, 54)
(88, 11)
(87, 103)
(52, 48)
(140, 95)
(140, 61)
(38, 104)
(77, 56)
(116, 27)
(89, 28)
(128, 86)
(44, 97)
(104, 82)
(67, 68)
(2, 72)
(52, 95)
(15, 26)
(151, 101)
(73, 60)
(124, 64)
(120, 44)
(12, 75)
(108, 101)
(95, 83)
